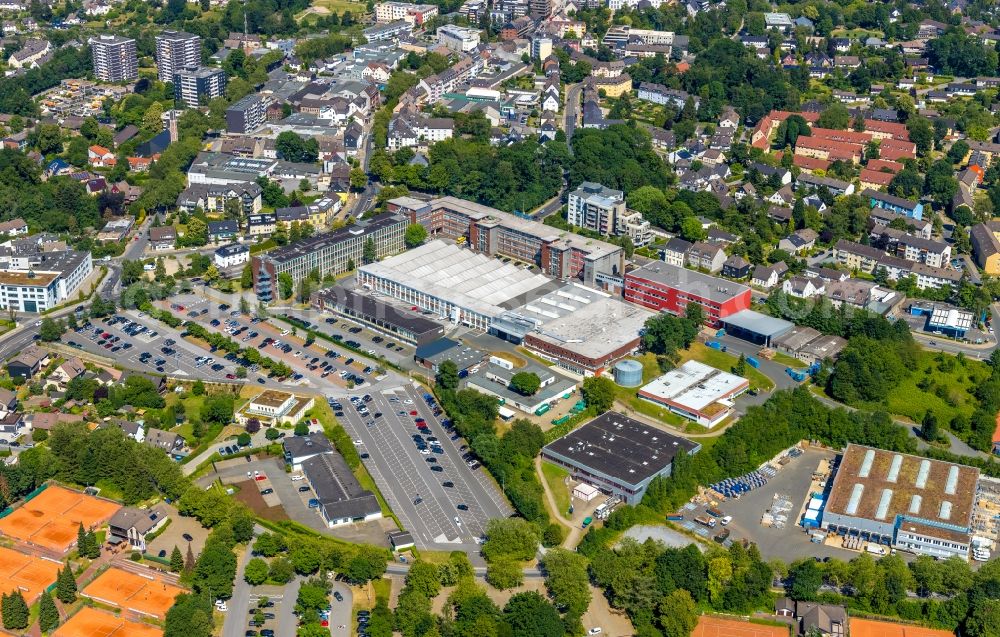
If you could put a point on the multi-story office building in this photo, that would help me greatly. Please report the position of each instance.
(456, 38)
(540, 9)
(415, 14)
(42, 280)
(246, 115)
(114, 58)
(560, 254)
(196, 86)
(176, 51)
(327, 253)
(668, 288)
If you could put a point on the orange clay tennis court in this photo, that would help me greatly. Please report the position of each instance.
(52, 518)
(90, 622)
(719, 627)
(27, 573)
(149, 596)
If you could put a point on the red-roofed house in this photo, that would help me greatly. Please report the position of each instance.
(886, 130)
(139, 164)
(894, 149)
(100, 157)
(874, 179)
(882, 165)
(767, 126)
(830, 149)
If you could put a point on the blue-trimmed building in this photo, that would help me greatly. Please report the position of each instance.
(905, 207)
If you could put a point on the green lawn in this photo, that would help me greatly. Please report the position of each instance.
(724, 361)
(947, 395)
(337, 6)
(555, 477)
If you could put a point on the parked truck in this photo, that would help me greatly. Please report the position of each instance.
(704, 520)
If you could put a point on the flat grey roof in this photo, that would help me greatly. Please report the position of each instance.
(621, 448)
(758, 323)
(689, 281)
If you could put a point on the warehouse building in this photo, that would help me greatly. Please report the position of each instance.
(755, 327)
(663, 287)
(458, 285)
(696, 391)
(380, 316)
(618, 455)
(342, 500)
(333, 253)
(809, 345)
(910, 503)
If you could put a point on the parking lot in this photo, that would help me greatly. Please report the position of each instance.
(788, 543)
(363, 338)
(145, 344)
(413, 481)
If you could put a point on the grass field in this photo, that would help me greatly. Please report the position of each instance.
(555, 477)
(325, 7)
(944, 390)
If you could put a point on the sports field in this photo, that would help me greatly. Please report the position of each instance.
(27, 573)
(718, 627)
(148, 596)
(90, 622)
(52, 518)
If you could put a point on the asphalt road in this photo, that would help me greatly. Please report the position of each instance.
(413, 490)
(572, 111)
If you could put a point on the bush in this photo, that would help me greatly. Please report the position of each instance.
(504, 574)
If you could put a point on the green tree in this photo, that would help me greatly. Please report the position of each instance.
(504, 573)
(525, 383)
(835, 116)
(415, 235)
(285, 285)
(921, 133)
(176, 560)
(48, 614)
(272, 433)
(66, 586)
(599, 393)
(678, 614)
(246, 277)
(691, 229)
(369, 252)
(50, 330)
(447, 375)
(215, 571)
(567, 581)
(358, 178)
(514, 538)
(190, 616)
(255, 572)
(531, 615)
(282, 570)
(14, 611)
(929, 427)
(805, 579)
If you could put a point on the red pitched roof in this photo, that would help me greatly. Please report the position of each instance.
(882, 165)
(869, 176)
(898, 131)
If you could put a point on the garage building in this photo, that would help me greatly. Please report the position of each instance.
(755, 327)
(911, 503)
(618, 455)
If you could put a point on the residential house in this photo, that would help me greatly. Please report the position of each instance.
(799, 241)
(802, 287)
(706, 256)
(736, 267)
(856, 256)
(811, 618)
(8, 402)
(162, 238)
(912, 209)
(131, 526)
(168, 441)
(223, 231)
(675, 251)
(767, 276)
(66, 372)
(100, 157)
(28, 362)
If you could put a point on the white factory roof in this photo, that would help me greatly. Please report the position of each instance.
(459, 276)
(694, 385)
(586, 321)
